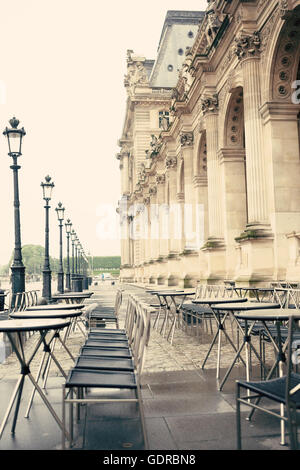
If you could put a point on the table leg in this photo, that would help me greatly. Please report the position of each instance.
(11, 403)
(18, 405)
(47, 403)
(36, 379)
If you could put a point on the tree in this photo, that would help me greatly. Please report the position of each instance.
(33, 259)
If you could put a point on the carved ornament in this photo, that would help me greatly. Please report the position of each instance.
(210, 104)
(247, 45)
(186, 139)
(171, 162)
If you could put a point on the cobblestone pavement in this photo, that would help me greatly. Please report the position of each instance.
(187, 351)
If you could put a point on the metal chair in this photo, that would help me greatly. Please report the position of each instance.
(284, 390)
(102, 315)
(82, 379)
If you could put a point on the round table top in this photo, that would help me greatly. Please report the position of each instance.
(220, 300)
(71, 295)
(174, 293)
(11, 326)
(163, 290)
(273, 314)
(46, 314)
(246, 306)
(55, 307)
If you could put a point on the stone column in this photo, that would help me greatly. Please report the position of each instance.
(256, 242)
(247, 50)
(214, 248)
(154, 226)
(162, 217)
(282, 151)
(187, 147)
(232, 161)
(173, 246)
(214, 176)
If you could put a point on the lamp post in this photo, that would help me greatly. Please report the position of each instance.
(76, 242)
(47, 186)
(60, 210)
(79, 258)
(14, 139)
(73, 238)
(68, 226)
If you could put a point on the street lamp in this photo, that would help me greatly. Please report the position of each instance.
(68, 226)
(14, 139)
(77, 255)
(73, 238)
(60, 210)
(47, 186)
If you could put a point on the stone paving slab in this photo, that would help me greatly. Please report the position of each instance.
(183, 407)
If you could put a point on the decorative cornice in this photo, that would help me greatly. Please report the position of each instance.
(247, 45)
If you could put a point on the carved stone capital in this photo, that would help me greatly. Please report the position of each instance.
(160, 179)
(210, 104)
(152, 190)
(285, 9)
(171, 162)
(186, 139)
(247, 45)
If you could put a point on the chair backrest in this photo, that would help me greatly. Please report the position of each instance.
(292, 390)
(138, 328)
(215, 290)
(118, 301)
(292, 298)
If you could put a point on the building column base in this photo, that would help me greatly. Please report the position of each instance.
(255, 257)
(215, 253)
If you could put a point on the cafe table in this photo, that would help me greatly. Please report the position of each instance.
(277, 315)
(72, 297)
(220, 321)
(14, 329)
(61, 307)
(48, 353)
(34, 308)
(232, 308)
(260, 294)
(161, 306)
(171, 307)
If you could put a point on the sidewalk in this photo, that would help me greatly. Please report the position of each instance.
(183, 408)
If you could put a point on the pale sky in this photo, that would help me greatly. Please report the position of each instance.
(62, 72)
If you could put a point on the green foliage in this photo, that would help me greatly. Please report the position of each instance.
(105, 262)
(33, 259)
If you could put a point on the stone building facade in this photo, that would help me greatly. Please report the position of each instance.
(209, 162)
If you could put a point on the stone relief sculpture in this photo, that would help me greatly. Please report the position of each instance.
(186, 139)
(136, 72)
(210, 104)
(155, 146)
(246, 45)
